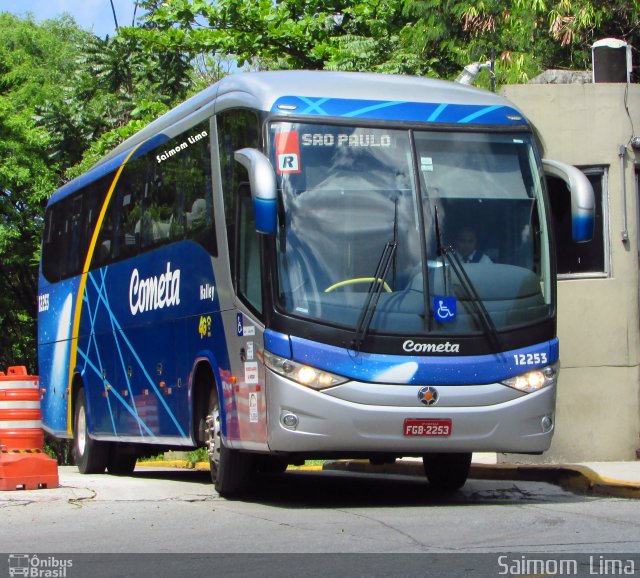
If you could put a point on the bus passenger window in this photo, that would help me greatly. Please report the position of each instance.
(128, 230)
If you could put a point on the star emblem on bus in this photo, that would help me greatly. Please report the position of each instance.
(428, 395)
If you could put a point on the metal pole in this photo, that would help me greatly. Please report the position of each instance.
(625, 228)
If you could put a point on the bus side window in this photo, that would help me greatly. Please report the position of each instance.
(55, 244)
(127, 230)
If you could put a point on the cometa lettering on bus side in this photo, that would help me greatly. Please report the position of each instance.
(154, 292)
(413, 347)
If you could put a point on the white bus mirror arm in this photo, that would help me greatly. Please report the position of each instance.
(262, 180)
(582, 197)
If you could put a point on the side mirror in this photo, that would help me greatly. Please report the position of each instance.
(262, 181)
(582, 198)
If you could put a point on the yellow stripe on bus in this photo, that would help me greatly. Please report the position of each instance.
(83, 282)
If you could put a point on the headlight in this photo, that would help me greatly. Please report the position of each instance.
(534, 380)
(302, 374)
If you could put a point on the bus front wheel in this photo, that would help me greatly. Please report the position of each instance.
(231, 470)
(447, 472)
(91, 456)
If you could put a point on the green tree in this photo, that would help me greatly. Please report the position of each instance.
(423, 37)
(34, 62)
(526, 37)
(262, 34)
(66, 97)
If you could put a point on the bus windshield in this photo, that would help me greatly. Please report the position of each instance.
(462, 211)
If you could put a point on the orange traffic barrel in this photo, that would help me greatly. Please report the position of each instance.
(23, 464)
(20, 417)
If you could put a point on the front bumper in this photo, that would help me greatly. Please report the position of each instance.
(368, 418)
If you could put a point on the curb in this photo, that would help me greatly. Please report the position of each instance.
(178, 464)
(574, 478)
(204, 466)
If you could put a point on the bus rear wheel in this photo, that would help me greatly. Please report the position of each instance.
(231, 470)
(121, 462)
(91, 456)
(447, 472)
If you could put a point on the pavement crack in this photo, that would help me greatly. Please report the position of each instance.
(414, 541)
(14, 503)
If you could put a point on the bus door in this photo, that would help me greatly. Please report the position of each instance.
(245, 401)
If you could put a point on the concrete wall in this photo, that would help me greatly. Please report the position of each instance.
(598, 408)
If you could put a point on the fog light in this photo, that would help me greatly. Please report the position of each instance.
(547, 424)
(289, 420)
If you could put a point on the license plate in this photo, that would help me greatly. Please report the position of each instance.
(427, 427)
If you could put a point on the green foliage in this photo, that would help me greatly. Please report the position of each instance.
(66, 98)
(525, 36)
(261, 34)
(197, 456)
(60, 450)
(34, 63)
(423, 37)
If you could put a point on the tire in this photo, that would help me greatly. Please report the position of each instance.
(91, 456)
(231, 470)
(121, 463)
(447, 472)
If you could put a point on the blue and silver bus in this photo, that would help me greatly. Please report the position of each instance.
(274, 270)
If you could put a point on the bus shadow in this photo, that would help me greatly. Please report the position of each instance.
(337, 489)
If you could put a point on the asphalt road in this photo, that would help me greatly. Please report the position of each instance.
(318, 514)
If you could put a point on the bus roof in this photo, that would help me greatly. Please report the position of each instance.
(324, 94)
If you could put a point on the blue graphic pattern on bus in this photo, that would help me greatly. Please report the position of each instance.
(97, 304)
(131, 347)
(399, 111)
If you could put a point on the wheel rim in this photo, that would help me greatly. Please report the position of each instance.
(81, 430)
(214, 441)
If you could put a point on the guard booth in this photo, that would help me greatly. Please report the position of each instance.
(596, 127)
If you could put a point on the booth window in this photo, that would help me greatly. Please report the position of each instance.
(590, 259)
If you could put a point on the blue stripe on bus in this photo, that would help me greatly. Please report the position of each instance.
(399, 111)
(420, 369)
(277, 343)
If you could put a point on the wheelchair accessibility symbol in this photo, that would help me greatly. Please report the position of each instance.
(444, 309)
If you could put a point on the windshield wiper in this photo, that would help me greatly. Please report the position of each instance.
(468, 287)
(373, 294)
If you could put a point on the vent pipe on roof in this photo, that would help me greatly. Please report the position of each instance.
(471, 71)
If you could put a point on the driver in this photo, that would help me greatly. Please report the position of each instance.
(465, 247)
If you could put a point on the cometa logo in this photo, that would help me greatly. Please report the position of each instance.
(154, 292)
(412, 347)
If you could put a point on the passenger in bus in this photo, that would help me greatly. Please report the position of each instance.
(196, 217)
(465, 247)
